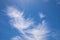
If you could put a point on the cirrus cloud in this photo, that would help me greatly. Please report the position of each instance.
(39, 32)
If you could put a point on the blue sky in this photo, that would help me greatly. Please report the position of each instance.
(29, 19)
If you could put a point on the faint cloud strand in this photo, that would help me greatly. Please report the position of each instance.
(58, 2)
(20, 23)
(16, 38)
(41, 15)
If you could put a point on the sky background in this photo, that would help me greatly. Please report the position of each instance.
(31, 13)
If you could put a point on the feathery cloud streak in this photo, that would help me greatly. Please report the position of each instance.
(20, 23)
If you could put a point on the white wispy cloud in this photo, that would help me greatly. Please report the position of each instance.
(40, 32)
(16, 38)
(41, 15)
(18, 19)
